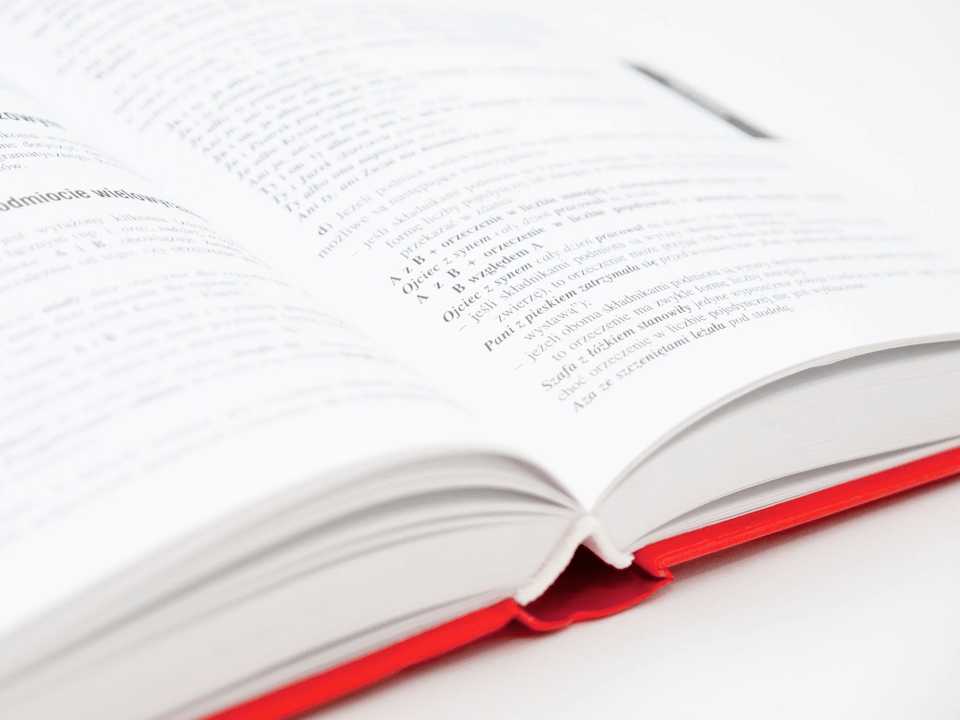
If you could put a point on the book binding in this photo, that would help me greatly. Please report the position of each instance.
(590, 589)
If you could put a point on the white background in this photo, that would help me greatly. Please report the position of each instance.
(855, 617)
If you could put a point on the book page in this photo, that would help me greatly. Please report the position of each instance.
(156, 375)
(572, 250)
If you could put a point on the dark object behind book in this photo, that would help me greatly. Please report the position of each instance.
(704, 102)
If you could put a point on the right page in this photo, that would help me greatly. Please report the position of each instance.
(568, 247)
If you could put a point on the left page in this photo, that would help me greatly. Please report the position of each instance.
(154, 374)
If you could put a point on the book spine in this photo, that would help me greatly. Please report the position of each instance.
(589, 588)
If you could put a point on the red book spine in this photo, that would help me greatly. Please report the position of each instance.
(589, 589)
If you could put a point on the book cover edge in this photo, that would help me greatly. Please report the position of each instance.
(650, 572)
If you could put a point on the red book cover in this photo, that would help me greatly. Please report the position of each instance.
(589, 589)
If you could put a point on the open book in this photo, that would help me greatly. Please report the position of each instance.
(330, 333)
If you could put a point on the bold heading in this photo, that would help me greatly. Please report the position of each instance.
(20, 117)
(42, 198)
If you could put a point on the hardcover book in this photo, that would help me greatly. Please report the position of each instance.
(335, 336)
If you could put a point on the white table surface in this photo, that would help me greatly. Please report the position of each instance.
(856, 617)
